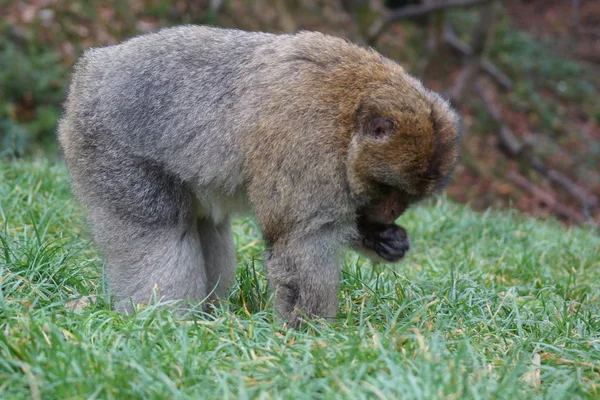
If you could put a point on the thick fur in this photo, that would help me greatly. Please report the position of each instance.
(167, 134)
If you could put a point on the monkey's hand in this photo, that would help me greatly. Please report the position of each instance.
(383, 242)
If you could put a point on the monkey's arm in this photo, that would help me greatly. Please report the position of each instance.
(382, 242)
(304, 273)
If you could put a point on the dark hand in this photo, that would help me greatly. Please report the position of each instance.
(390, 242)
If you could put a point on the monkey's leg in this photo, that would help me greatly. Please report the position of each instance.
(144, 222)
(219, 255)
(147, 262)
(305, 274)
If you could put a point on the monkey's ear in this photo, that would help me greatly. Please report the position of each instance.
(379, 128)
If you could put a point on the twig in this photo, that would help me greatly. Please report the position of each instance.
(362, 13)
(575, 23)
(216, 5)
(545, 197)
(588, 202)
(435, 27)
(415, 11)
(286, 14)
(470, 70)
(499, 76)
(435, 37)
(514, 149)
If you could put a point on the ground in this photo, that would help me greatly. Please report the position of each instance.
(490, 305)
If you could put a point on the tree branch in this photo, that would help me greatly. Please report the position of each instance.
(546, 198)
(470, 70)
(499, 76)
(381, 24)
(435, 38)
(286, 12)
(514, 149)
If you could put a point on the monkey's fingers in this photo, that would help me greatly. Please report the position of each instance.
(392, 251)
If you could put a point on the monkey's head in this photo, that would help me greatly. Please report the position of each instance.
(404, 148)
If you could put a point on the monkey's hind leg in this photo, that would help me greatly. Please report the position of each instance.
(153, 263)
(219, 255)
(144, 222)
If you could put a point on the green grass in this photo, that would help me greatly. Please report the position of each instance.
(462, 317)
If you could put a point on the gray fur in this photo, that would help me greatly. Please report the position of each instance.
(167, 134)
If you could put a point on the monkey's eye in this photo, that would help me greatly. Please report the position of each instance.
(380, 128)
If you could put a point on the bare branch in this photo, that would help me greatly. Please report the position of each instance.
(216, 5)
(546, 198)
(363, 12)
(435, 38)
(415, 11)
(286, 12)
(470, 70)
(575, 21)
(513, 148)
(499, 76)
(587, 201)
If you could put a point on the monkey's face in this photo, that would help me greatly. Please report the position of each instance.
(386, 206)
(404, 149)
(379, 237)
(407, 139)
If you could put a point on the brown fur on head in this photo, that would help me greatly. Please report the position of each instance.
(405, 146)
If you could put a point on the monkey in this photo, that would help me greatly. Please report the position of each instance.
(169, 134)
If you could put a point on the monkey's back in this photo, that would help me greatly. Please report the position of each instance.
(209, 107)
(168, 96)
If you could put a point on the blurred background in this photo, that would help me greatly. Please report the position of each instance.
(525, 75)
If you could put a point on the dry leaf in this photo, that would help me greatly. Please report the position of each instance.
(78, 305)
(533, 376)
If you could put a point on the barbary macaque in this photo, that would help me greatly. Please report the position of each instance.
(170, 133)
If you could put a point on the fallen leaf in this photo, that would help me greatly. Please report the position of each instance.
(78, 305)
(533, 376)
